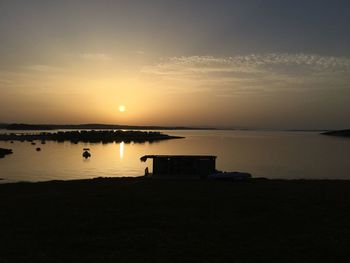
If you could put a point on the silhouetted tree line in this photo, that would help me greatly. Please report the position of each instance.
(90, 136)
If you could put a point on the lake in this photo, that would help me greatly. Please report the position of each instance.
(271, 154)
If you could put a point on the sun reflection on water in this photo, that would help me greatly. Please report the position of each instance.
(121, 150)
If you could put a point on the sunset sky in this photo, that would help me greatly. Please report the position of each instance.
(250, 63)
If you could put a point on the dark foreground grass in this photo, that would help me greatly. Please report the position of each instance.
(140, 220)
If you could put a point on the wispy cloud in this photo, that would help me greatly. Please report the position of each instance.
(252, 73)
(43, 68)
(248, 64)
(140, 52)
(96, 56)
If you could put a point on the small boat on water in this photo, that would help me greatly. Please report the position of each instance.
(230, 176)
(86, 153)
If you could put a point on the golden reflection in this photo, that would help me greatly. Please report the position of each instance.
(121, 150)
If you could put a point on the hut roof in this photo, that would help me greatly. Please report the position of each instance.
(144, 158)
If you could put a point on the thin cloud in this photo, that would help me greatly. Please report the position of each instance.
(43, 68)
(96, 56)
(253, 73)
(249, 64)
(140, 52)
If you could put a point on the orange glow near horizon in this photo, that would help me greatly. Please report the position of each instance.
(225, 64)
(105, 92)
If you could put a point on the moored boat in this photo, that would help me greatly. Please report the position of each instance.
(86, 153)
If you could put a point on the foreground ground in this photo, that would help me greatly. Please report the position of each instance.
(140, 220)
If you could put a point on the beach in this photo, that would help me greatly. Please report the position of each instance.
(149, 220)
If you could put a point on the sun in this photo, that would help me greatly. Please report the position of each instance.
(121, 108)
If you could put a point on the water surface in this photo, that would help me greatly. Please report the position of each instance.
(264, 154)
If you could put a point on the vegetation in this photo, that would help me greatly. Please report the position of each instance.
(147, 220)
(90, 136)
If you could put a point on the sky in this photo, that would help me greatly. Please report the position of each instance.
(275, 64)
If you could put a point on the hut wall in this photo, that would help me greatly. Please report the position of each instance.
(183, 166)
(160, 166)
(205, 166)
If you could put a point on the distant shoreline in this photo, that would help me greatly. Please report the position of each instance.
(52, 127)
(339, 133)
(29, 127)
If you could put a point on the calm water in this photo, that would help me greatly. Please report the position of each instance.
(264, 154)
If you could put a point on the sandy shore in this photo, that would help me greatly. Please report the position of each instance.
(145, 220)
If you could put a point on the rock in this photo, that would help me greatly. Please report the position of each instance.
(340, 133)
(4, 152)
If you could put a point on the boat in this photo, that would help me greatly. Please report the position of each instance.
(86, 153)
(230, 176)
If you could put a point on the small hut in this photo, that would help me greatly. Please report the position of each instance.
(195, 166)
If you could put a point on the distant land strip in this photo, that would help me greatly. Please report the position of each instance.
(339, 133)
(27, 127)
(90, 136)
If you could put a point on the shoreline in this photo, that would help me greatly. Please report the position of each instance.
(183, 179)
(146, 220)
(252, 180)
